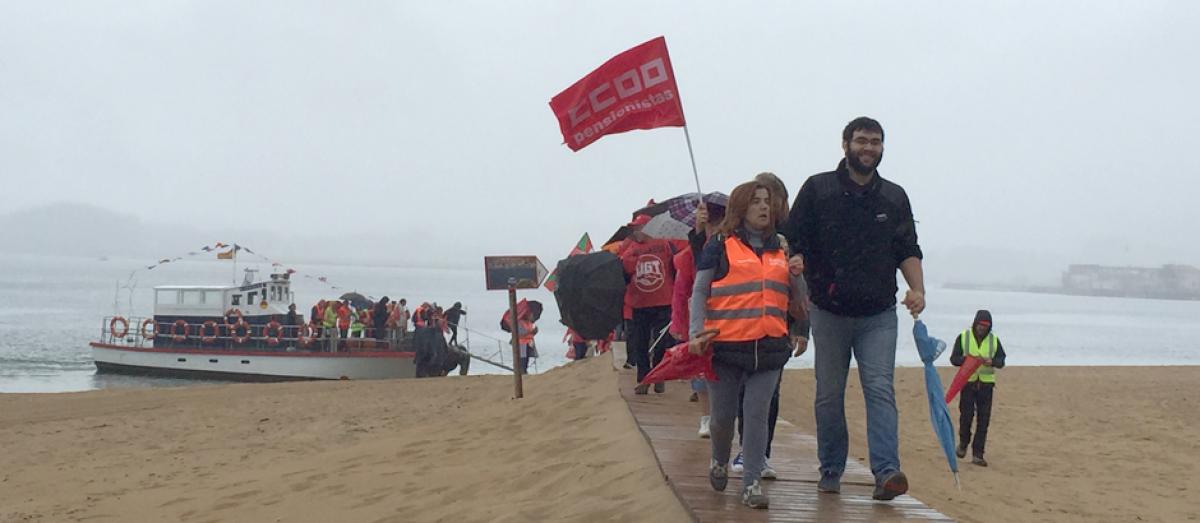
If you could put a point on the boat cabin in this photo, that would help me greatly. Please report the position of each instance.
(258, 302)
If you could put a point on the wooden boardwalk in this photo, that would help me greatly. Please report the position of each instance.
(669, 422)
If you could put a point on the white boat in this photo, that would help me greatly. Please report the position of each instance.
(238, 333)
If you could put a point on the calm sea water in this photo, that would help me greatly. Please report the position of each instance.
(51, 307)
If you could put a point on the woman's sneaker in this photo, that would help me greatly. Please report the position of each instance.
(768, 472)
(703, 432)
(718, 477)
(738, 464)
(753, 496)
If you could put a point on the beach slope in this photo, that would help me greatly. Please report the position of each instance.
(456, 449)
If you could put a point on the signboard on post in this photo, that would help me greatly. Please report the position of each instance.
(528, 272)
(511, 273)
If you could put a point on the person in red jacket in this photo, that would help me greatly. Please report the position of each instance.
(650, 273)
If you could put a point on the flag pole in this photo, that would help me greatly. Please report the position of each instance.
(692, 155)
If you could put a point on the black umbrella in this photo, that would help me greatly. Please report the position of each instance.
(356, 299)
(590, 293)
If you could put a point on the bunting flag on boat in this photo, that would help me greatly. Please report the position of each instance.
(584, 246)
(222, 255)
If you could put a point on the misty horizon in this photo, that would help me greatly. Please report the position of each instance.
(420, 134)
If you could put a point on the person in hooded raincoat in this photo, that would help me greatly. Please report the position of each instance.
(977, 395)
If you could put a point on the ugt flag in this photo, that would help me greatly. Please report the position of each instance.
(633, 90)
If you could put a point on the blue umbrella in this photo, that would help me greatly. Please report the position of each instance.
(930, 348)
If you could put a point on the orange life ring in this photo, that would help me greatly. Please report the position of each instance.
(208, 325)
(151, 334)
(233, 312)
(112, 327)
(305, 336)
(175, 336)
(275, 327)
(233, 329)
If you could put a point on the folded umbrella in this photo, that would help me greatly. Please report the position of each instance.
(969, 366)
(929, 349)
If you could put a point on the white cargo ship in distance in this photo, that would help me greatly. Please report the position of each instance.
(237, 333)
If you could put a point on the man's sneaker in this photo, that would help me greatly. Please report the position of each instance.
(767, 471)
(753, 496)
(893, 485)
(628, 365)
(660, 387)
(703, 432)
(961, 451)
(641, 389)
(694, 397)
(718, 477)
(978, 460)
(738, 465)
(829, 483)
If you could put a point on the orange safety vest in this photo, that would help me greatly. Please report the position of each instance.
(524, 332)
(751, 301)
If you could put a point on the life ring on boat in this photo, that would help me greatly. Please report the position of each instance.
(149, 333)
(277, 329)
(305, 336)
(233, 312)
(175, 335)
(112, 327)
(208, 325)
(233, 330)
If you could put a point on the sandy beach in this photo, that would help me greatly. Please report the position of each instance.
(1065, 444)
(455, 449)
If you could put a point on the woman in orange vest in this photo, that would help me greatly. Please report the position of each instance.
(525, 333)
(748, 309)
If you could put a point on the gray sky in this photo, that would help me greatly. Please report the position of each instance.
(1027, 133)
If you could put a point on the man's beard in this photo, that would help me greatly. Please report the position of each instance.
(858, 167)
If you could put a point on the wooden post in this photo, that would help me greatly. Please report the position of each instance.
(516, 343)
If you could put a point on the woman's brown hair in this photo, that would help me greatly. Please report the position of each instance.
(739, 203)
(779, 196)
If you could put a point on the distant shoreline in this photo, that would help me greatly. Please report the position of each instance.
(1047, 289)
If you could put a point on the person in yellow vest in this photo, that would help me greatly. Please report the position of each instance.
(329, 324)
(978, 341)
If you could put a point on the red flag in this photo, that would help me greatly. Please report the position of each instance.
(633, 90)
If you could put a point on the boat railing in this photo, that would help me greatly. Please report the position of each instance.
(142, 332)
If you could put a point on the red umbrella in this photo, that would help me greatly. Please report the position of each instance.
(680, 364)
(531, 310)
(969, 366)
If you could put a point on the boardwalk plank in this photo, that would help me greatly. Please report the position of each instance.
(669, 422)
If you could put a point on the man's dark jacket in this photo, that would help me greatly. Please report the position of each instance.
(853, 239)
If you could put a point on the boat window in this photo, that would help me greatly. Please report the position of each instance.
(165, 297)
(212, 297)
(192, 297)
(236, 299)
(250, 298)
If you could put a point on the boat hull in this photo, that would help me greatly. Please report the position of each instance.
(253, 365)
